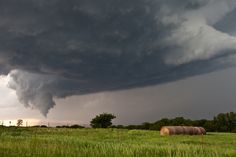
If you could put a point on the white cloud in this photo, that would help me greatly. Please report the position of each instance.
(199, 42)
(8, 96)
(196, 39)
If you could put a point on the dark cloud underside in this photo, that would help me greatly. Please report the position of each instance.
(59, 48)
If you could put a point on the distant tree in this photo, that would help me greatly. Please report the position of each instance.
(102, 121)
(158, 124)
(76, 126)
(120, 126)
(19, 122)
(145, 126)
(132, 127)
(225, 122)
(209, 126)
(35, 126)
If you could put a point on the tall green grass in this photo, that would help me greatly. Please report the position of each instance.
(52, 142)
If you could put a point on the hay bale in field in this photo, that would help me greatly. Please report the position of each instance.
(182, 130)
(202, 130)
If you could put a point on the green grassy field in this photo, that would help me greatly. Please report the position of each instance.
(52, 142)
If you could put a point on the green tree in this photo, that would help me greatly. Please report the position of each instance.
(19, 122)
(102, 121)
(225, 122)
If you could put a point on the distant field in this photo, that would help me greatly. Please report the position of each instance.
(52, 142)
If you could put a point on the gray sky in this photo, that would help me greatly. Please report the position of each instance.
(196, 97)
(142, 59)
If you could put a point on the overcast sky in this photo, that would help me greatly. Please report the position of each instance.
(139, 59)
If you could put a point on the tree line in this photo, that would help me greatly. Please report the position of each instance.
(223, 122)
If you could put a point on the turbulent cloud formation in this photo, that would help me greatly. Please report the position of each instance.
(59, 48)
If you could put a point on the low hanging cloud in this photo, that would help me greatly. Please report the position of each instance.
(57, 48)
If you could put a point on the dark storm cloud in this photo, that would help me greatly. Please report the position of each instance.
(227, 24)
(63, 48)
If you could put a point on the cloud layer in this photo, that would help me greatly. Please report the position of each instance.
(60, 48)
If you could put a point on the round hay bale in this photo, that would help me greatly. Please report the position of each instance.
(182, 130)
(203, 131)
(164, 131)
(197, 131)
(179, 130)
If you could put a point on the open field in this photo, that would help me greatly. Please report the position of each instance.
(52, 142)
